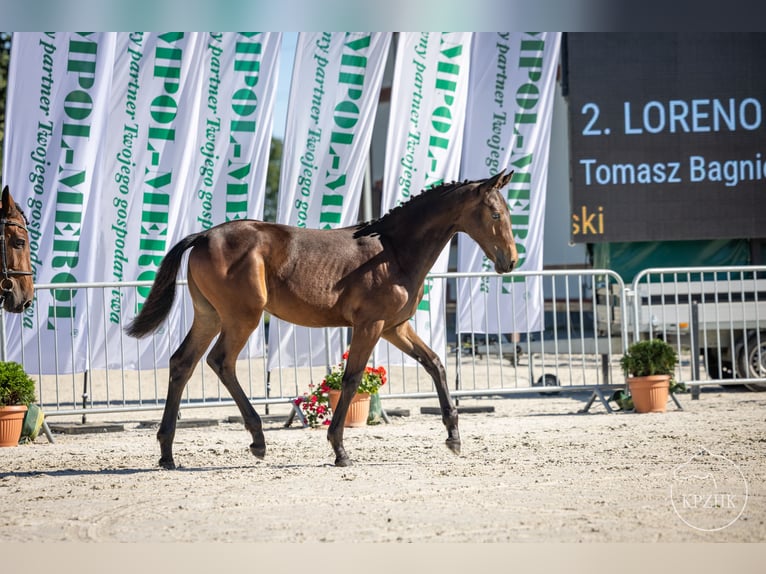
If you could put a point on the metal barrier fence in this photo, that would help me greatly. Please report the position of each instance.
(589, 318)
(576, 347)
(714, 316)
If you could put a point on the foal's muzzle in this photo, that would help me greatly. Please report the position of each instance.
(504, 264)
(8, 300)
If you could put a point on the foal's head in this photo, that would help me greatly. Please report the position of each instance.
(16, 282)
(487, 220)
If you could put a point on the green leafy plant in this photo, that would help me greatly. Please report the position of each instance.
(623, 399)
(16, 386)
(315, 404)
(372, 379)
(646, 358)
(649, 357)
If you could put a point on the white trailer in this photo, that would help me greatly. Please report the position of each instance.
(721, 312)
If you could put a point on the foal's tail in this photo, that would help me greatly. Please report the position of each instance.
(163, 291)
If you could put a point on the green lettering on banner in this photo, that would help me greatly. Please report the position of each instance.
(442, 120)
(407, 161)
(236, 193)
(519, 192)
(248, 53)
(46, 76)
(77, 106)
(351, 76)
(447, 75)
(39, 172)
(155, 208)
(425, 302)
(307, 159)
(125, 175)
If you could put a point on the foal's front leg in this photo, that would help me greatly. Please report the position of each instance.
(363, 340)
(404, 337)
(335, 432)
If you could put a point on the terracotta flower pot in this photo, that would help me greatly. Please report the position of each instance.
(11, 421)
(358, 410)
(650, 394)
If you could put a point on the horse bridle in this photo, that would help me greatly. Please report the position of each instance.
(6, 283)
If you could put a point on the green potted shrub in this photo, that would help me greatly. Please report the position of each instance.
(649, 366)
(17, 392)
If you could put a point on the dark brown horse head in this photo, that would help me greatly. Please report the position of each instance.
(16, 280)
(487, 220)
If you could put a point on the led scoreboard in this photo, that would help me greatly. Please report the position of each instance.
(667, 135)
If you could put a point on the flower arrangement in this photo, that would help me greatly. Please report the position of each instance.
(315, 404)
(372, 379)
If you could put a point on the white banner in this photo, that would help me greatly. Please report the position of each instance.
(215, 147)
(183, 145)
(155, 117)
(233, 139)
(424, 145)
(56, 124)
(333, 100)
(508, 127)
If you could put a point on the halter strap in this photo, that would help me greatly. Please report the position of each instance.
(5, 270)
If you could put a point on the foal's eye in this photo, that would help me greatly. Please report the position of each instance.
(19, 243)
(495, 215)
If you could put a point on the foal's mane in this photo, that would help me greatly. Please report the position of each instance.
(388, 221)
(23, 215)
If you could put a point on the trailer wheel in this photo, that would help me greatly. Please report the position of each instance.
(752, 361)
(716, 367)
(547, 380)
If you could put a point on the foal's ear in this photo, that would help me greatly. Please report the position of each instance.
(498, 181)
(6, 201)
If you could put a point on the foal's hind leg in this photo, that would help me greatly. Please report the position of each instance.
(223, 360)
(404, 337)
(182, 363)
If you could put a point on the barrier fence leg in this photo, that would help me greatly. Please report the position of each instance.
(47, 431)
(694, 332)
(295, 412)
(597, 394)
(85, 395)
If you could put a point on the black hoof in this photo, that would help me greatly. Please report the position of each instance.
(453, 445)
(259, 452)
(167, 464)
(343, 461)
